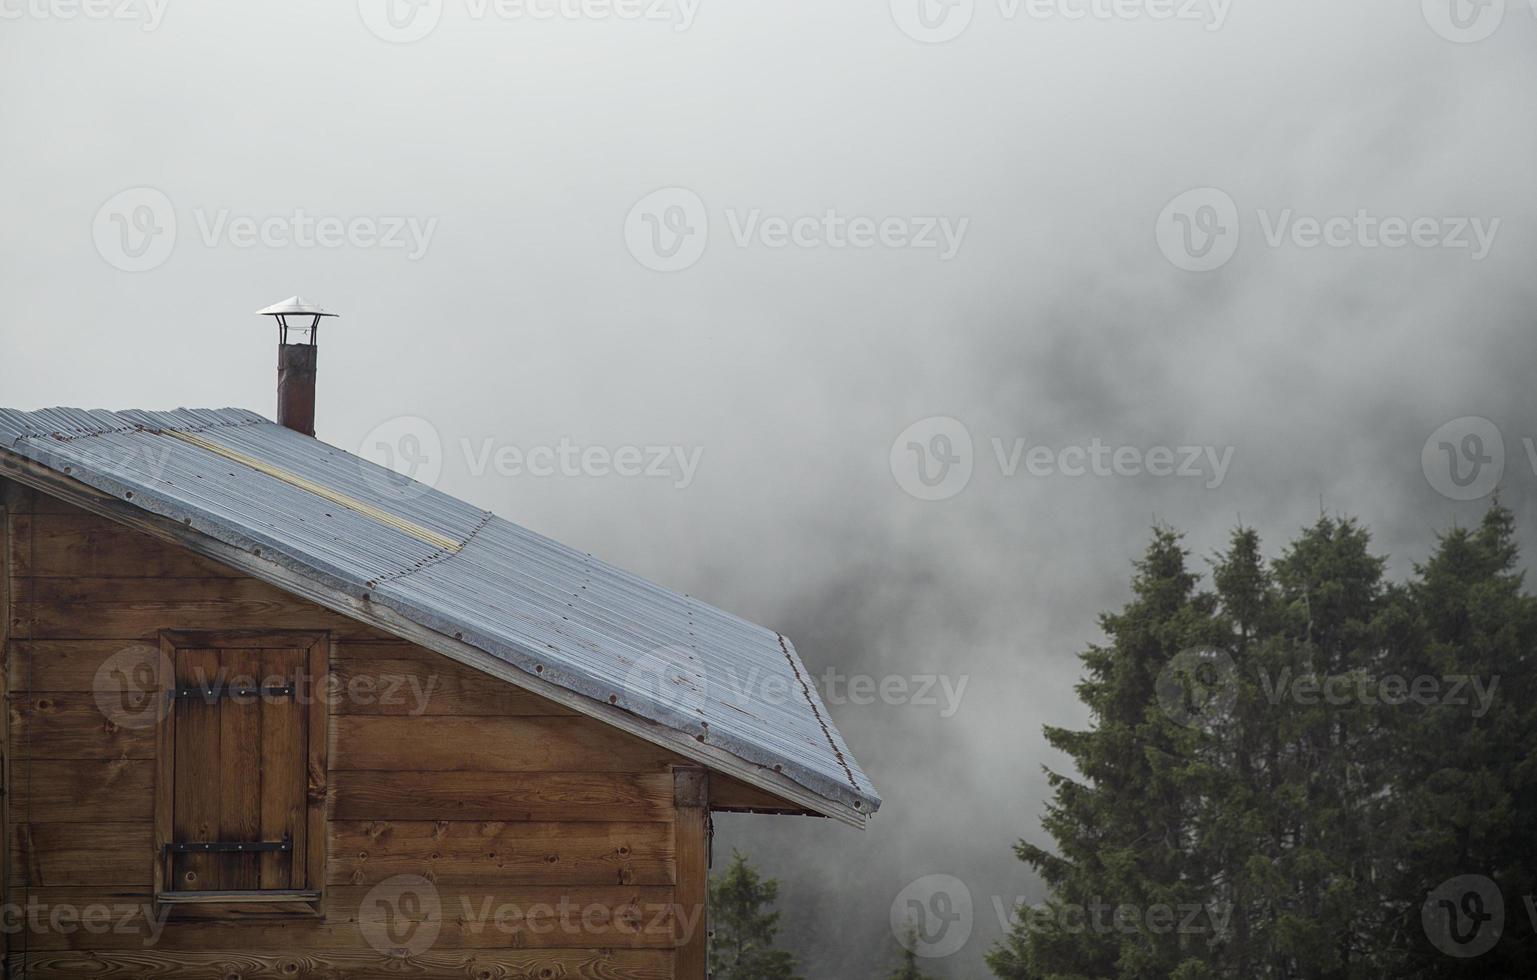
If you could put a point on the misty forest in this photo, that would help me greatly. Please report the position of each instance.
(1295, 769)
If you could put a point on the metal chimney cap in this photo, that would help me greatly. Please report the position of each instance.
(295, 306)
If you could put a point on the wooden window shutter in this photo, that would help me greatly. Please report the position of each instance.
(237, 805)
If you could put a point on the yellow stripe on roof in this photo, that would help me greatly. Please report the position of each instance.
(422, 534)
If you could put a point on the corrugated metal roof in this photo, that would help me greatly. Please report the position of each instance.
(544, 608)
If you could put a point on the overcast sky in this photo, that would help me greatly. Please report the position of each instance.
(776, 246)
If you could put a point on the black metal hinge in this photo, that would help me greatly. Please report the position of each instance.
(229, 847)
(211, 694)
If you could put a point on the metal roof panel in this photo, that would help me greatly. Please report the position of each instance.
(546, 609)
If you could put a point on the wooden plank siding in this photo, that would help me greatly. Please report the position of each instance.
(456, 852)
(138, 608)
(549, 843)
(560, 796)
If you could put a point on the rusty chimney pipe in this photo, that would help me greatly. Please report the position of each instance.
(297, 362)
(296, 387)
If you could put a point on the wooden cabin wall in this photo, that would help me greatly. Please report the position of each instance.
(506, 802)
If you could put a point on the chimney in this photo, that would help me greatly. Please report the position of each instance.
(297, 361)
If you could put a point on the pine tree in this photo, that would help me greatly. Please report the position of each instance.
(1324, 832)
(908, 969)
(1122, 830)
(1233, 811)
(1465, 773)
(1312, 811)
(743, 924)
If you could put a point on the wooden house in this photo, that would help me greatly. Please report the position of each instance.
(275, 711)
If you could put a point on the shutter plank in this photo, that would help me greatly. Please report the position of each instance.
(282, 764)
(195, 811)
(240, 761)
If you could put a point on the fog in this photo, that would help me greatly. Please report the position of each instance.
(503, 282)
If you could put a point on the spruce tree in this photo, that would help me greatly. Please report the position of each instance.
(743, 924)
(1121, 825)
(1375, 742)
(907, 969)
(1244, 756)
(1465, 769)
(1325, 828)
